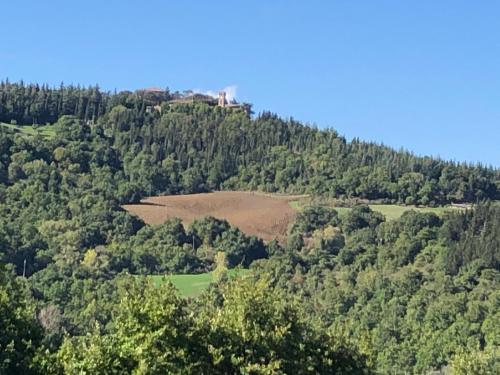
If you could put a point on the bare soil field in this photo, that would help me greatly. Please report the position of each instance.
(266, 216)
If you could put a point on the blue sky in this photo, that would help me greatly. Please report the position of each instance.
(423, 75)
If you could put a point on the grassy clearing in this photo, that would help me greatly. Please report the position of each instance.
(394, 211)
(296, 205)
(46, 131)
(193, 285)
(390, 211)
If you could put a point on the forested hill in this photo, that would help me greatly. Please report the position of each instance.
(164, 145)
(82, 286)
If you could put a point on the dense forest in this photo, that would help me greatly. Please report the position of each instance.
(347, 294)
(199, 147)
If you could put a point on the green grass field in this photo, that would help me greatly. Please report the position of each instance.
(296, 205)
(390, 211)
(194, 285)
(394, 211)
(46, 131)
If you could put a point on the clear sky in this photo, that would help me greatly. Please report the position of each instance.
(423, 75)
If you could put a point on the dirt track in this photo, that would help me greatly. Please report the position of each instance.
(262, 215)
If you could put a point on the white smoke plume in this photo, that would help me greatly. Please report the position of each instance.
(230, 92)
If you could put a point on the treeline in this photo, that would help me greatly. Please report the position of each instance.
(199, 147)
(40, 104)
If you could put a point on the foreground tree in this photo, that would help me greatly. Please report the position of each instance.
(247, 328)
(477, 362)
(20, 333)
(152, 334)
(254, 330)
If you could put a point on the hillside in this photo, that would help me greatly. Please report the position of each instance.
(199, 147)
(393, 281)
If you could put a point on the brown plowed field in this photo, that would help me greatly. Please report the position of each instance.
(262, 215)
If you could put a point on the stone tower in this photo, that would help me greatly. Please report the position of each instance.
(222, 99)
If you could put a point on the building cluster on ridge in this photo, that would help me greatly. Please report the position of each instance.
(223, 102)
(157, 96)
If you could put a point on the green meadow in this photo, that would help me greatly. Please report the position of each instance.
(46, 131)
(390, 211)
(394, 211)
(194, 285)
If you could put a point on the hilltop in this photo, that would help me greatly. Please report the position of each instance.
(199, 146)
